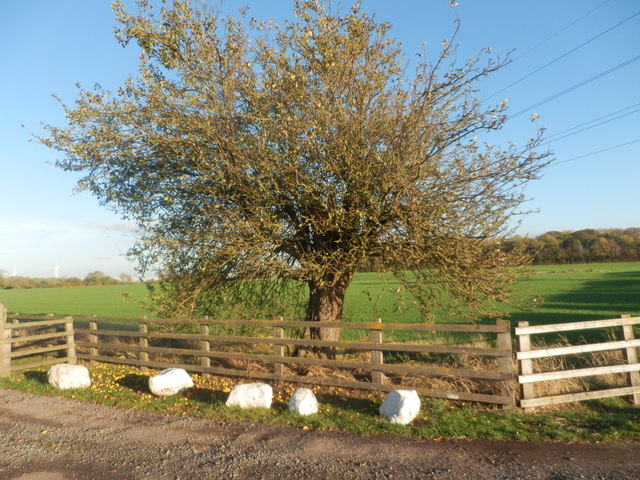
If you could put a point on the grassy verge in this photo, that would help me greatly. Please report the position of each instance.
(613, 420)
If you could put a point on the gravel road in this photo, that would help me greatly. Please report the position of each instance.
(45, 438)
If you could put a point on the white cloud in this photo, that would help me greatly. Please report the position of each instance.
(123, 226)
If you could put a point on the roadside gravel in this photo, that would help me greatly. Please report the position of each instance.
(57, 439)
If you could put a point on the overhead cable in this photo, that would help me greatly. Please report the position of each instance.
(562, 56)
(591, 121)
(561, 30)
(578, 85)
(594, 153)
(593, 126)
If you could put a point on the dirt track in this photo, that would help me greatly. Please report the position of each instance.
(56, 439)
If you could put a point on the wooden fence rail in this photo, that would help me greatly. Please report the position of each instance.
(526, 355)
(251, 352)
(379, 358)
(43, 338)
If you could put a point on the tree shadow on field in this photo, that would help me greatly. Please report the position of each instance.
(606, 296)
(136, 382)
(40, 377)
(355, 405)
(625, 409)
(205, 395)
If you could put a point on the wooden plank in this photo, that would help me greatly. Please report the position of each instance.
(93, 337)
(278, 351)
(36, 351)
(70, 340)
(581, 396)
(302, 324)
(580, 372)
(576, 349)
(391, 347)
(43, 363)
(385, 368)
(143, 341)
(43, 323)
(567, 327)
(5, 344)
(377, 358)
(43, 336)
(327, 381)
(506, 363)
(205, 346)
(525, 366)
(631, 357)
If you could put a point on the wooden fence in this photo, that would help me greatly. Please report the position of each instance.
(435, 360)
(37, 336)
(526, 355)
(379, 358)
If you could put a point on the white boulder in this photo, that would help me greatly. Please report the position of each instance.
(303, 402)
(65, 376)
(401, 406)
(250, 395)
(169, 382)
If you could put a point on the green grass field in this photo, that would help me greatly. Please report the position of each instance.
(570, 293)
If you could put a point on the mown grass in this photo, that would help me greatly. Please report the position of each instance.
(119, 301)
(570, 293)
(342, 409)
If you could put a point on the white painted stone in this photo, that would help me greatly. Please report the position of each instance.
(250, 395)
(303, 402)
(401, 406)
(65, 376)
(169, 382)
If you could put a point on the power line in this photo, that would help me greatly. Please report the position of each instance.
(593, 126)
(578, 85)
(591, 121)
(594, 153)
(562, 56)
(561, 30)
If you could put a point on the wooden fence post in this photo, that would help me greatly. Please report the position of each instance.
(93, 338)
(5, 345)
(278, 349)
(525, 365)
(70, 340)
(143, 327)
(205, 346)
(377, 359)
(631, 357)
(506, 363)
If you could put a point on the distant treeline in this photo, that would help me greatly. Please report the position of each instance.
(582, 246)
(551, 248)
(554, 248)
(92, 279)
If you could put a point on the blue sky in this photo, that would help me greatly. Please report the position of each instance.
(48, 47)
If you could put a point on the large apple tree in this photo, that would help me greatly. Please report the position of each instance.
(256, 157)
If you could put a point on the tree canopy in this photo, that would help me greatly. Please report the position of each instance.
(258, 157)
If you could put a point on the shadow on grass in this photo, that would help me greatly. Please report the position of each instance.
(591, 299)
(205, 395)
(40, 377)
(136, 382)
(615, 407)
(349, 404)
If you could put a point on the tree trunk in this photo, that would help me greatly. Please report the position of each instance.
(326, 304)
